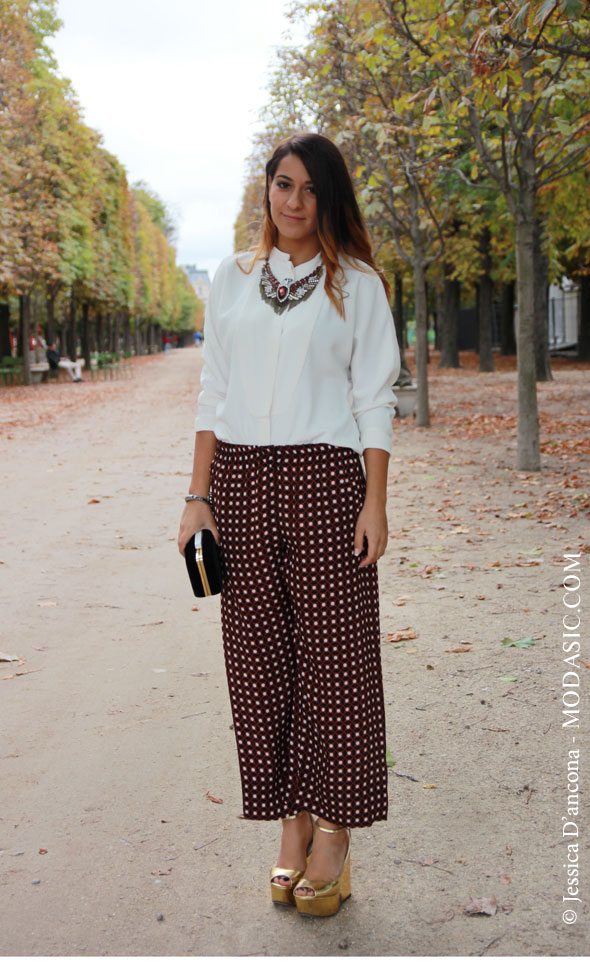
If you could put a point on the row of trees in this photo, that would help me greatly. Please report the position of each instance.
(467, 128)
(81, 251)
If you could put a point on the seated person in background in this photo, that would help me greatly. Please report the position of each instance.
(55, 361)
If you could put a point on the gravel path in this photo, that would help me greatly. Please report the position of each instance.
(116, 738)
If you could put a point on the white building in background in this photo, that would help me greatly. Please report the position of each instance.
(564, 314)
(199, 279)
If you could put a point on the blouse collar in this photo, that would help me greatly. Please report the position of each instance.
(282, 266)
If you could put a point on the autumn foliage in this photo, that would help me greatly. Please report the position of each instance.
(81, 251)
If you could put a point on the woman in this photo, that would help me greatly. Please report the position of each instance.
(299, 360)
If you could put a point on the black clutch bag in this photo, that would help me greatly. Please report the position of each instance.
(203, 562)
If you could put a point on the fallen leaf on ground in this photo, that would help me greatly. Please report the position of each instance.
(518, 643)
(162, 871)
(216, 800)
(93, 501)
(404, 635)
(429, 786)
(28, 671)
(5, 657)
(458, 650)
(481, 907)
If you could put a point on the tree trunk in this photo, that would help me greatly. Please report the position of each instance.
(529, 457)
(85, 336)
(507, 337)
(138, 342)
(71, 338)
(398, 308)
(529, 454)
(92, 345)
(117, 331)
(405, 377)
(422, 407)
(427, 300)
(50, 306)
(127, 331)
(485, 306)
(449, 352)
(99, 331)
(542, 357)
(25, 320)
(584, 325)
(5, 347)
(109, 333)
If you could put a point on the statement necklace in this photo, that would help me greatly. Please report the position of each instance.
(280, 295)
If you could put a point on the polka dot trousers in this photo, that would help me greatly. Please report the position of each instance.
(300, 622)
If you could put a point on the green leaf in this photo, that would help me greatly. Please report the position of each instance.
(507, 678)
(572, 8)
(389, 759)
(520, 18)
(546, 8)
(519, 643)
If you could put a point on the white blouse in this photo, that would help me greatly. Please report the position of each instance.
(305, 376)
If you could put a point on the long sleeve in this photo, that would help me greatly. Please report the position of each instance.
(215, 371)
(375, 364)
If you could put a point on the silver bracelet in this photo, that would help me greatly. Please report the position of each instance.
(197, 498)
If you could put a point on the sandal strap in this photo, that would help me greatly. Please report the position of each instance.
(292, 817)
(331, 831)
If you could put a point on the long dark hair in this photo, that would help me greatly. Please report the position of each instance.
(341, 228)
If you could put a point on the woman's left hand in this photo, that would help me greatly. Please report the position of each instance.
(372, 526)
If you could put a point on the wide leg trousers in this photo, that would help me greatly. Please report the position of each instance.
(300, 623)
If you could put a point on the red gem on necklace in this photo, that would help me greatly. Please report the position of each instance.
(282, 292)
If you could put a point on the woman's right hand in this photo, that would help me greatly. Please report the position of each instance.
(196, 516)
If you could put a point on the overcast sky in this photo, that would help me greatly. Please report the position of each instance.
(176, 88)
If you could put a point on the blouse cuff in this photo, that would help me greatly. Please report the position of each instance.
(376, 437)
(205, 421)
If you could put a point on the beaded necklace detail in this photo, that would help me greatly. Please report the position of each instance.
(279, 294)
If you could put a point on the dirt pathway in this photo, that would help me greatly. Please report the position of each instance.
(116, 723)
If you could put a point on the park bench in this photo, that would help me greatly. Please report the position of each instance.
(107, 363)
(11, 370)
(111, 365)
(41, 370)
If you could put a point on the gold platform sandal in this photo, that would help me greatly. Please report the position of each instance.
(327, 896)
(283, 894)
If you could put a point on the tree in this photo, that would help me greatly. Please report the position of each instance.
(525, 107)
